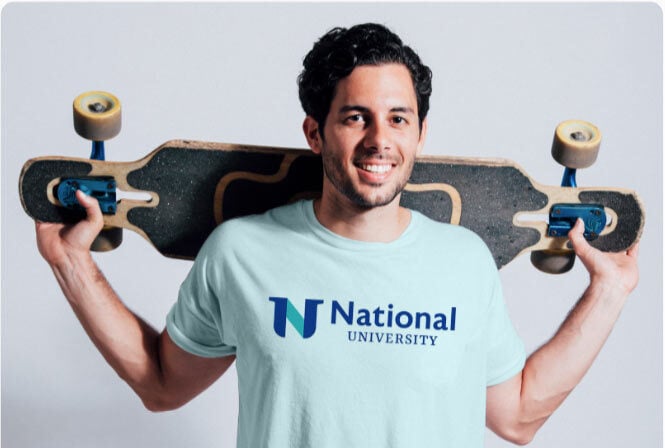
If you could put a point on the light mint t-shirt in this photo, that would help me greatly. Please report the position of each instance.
(342, 343)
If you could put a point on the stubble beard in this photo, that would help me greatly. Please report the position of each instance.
(333, 171)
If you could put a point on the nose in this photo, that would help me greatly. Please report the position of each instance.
(377, 136)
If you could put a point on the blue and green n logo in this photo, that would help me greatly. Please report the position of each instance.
(284, 310)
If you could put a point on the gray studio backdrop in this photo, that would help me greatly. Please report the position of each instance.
(505, 75)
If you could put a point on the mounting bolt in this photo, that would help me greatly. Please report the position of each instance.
(97, 107)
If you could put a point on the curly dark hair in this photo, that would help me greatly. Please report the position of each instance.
(340, 50)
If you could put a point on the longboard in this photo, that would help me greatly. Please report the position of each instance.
(191, 187)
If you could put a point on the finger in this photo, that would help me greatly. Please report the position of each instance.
(576, 234)
(91, 206)
(634, 250)
(40, 229)
(41, 226)
(580, 245)
(84, 233)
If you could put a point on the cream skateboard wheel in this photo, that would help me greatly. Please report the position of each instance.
(553, 262)
(97, 115)
(576, 144)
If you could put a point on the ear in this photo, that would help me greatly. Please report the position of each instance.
(311, 129)
(421, 139)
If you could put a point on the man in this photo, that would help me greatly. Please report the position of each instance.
(353, 321)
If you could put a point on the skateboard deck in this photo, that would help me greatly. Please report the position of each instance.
(191, 187)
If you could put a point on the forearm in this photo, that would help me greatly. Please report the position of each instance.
(162, 374)
(519, 406)
(554, 370)
(127, 343)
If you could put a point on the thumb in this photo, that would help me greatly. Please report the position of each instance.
(92, 210)
(94, 221)
(577, 231)
(581, 246)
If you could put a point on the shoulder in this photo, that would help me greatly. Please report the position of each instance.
(451, 233)
(255, 229)
(457, 241)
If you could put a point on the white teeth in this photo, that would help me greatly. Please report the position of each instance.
(376, 168)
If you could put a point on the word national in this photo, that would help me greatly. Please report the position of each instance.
(388, 318)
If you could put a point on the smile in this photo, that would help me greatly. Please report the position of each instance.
(379, 169)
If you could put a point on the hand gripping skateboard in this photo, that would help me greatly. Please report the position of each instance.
(190, 187)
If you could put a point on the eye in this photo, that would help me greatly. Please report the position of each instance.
(399, 120)
(355, 118)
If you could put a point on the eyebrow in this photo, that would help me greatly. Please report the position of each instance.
(351, 108)
(357, 108)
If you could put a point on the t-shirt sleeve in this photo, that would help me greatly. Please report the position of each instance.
(506, 354)
(194, 322)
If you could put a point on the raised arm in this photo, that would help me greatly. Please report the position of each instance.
(517, 408)
(163, 375)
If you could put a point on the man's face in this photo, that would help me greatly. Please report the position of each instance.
(372, 136)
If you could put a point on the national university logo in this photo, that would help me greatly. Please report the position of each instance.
(379, 324)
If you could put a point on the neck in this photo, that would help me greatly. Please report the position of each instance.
(377, 224)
